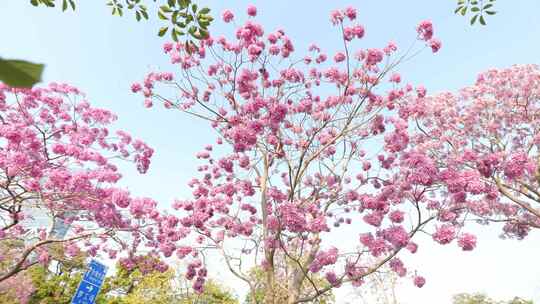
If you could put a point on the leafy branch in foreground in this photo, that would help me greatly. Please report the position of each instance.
(184, 17)
(478, 8)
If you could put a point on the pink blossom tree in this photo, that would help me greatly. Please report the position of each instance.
(57, 179)
(307, 150)
(485, 141)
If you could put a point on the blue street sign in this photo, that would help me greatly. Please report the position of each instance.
(90, 284)
(95, 273)
(85, 294)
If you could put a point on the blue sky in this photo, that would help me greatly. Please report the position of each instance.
(103, 55)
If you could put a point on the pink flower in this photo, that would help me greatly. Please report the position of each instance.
(148, 103)
(374, 56)
(425, 30)
(395, 78)
(136, 87)
(324, 258)
(412, 247)
(467, 241)
(332, 278)
(444, 234)
(515, 166)
(421, 91)
(397, 216)
(419, 281)
(350, 12)
(358, 31)
(227, 16)
(167, 47)
(252, 10)
(336, 17)
(435, 45)
(339, 57)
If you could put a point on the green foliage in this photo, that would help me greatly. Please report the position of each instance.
(57, 284)
(183, 17)
(20, 73)
(213, 294)
(479, 298)
(478, 8)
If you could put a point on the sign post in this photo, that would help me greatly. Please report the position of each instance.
(90, 284)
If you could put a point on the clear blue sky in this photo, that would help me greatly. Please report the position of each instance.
(103, 55)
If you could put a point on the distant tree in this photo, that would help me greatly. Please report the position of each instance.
(140, 279)
(213, 293)
(148, 280)
(479, 298)
(380, 288)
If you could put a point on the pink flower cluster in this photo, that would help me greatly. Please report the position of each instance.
(58, 148)
(425, 33)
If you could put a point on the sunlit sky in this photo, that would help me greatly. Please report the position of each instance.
(103, 55)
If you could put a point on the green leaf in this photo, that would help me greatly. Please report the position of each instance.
(171, 3)
(165, 9)
(464, 11)
(473, 19)
(72, 4)
(487, 6)
(458, 9)
(144, 13)
(204, 11)
(162, 16)
(194, 8)
(490, 12)
(475, 9)
(64, 5)
(20, 73)
(138, 16)
(34, 2)
(482, 20)
(179, 31)
(48, 3)
(203, 34)
(163, 31)
(184, 3)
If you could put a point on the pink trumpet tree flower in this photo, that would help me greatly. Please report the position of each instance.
(485, 141)
(56, 170)
(290, 170)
